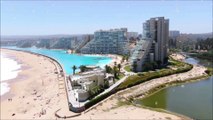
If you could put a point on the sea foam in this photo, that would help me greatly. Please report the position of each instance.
(9, 70)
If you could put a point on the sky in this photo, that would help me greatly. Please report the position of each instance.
(85, 17)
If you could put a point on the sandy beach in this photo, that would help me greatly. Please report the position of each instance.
(36, 94)
(115, 59)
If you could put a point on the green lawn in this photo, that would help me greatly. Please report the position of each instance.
(127, 68)
(120, 76)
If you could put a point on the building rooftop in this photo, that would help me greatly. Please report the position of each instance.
(112, 30)
(85, 75)
(80, 90)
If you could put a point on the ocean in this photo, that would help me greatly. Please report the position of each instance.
(9, 70)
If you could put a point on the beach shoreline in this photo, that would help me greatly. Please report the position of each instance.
(34, 93)
(28, 65)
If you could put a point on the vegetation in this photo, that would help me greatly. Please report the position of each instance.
(120, 76)
(127, 68)
(115, 63)
(122, 103)
(142, 77)
(98, 99)
(95, 91)
(106, 84)
(145, 76)
(108, 69)
(206, 44)
(115, 72)
(209, 71)
(74, 68)
(119, 67)
(173, 50)
(83, 68)
(204, 55)
(125, 57)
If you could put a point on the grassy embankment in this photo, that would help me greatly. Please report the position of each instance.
(205, 55)
(174, 68)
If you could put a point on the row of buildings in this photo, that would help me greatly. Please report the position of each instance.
(152, 47)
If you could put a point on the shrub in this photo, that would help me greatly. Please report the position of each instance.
(209, 71)
(98, 99)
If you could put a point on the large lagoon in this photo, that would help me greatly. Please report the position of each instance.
(190, 99)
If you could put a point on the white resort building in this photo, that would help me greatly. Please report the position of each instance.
(82, 83)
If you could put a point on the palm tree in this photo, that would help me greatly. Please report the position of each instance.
(115, 63)
(127, 58)
(123, 59)
(107, 68)
(119, 67)
(115, 71)
(83, 68)
(74, 68)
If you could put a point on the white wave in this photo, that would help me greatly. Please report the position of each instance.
(9, 70)
(4, 88)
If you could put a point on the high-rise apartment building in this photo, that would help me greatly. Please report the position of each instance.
(113, 41)
(154, 44)
(173, 36)
(157, 30)
(174, 33)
